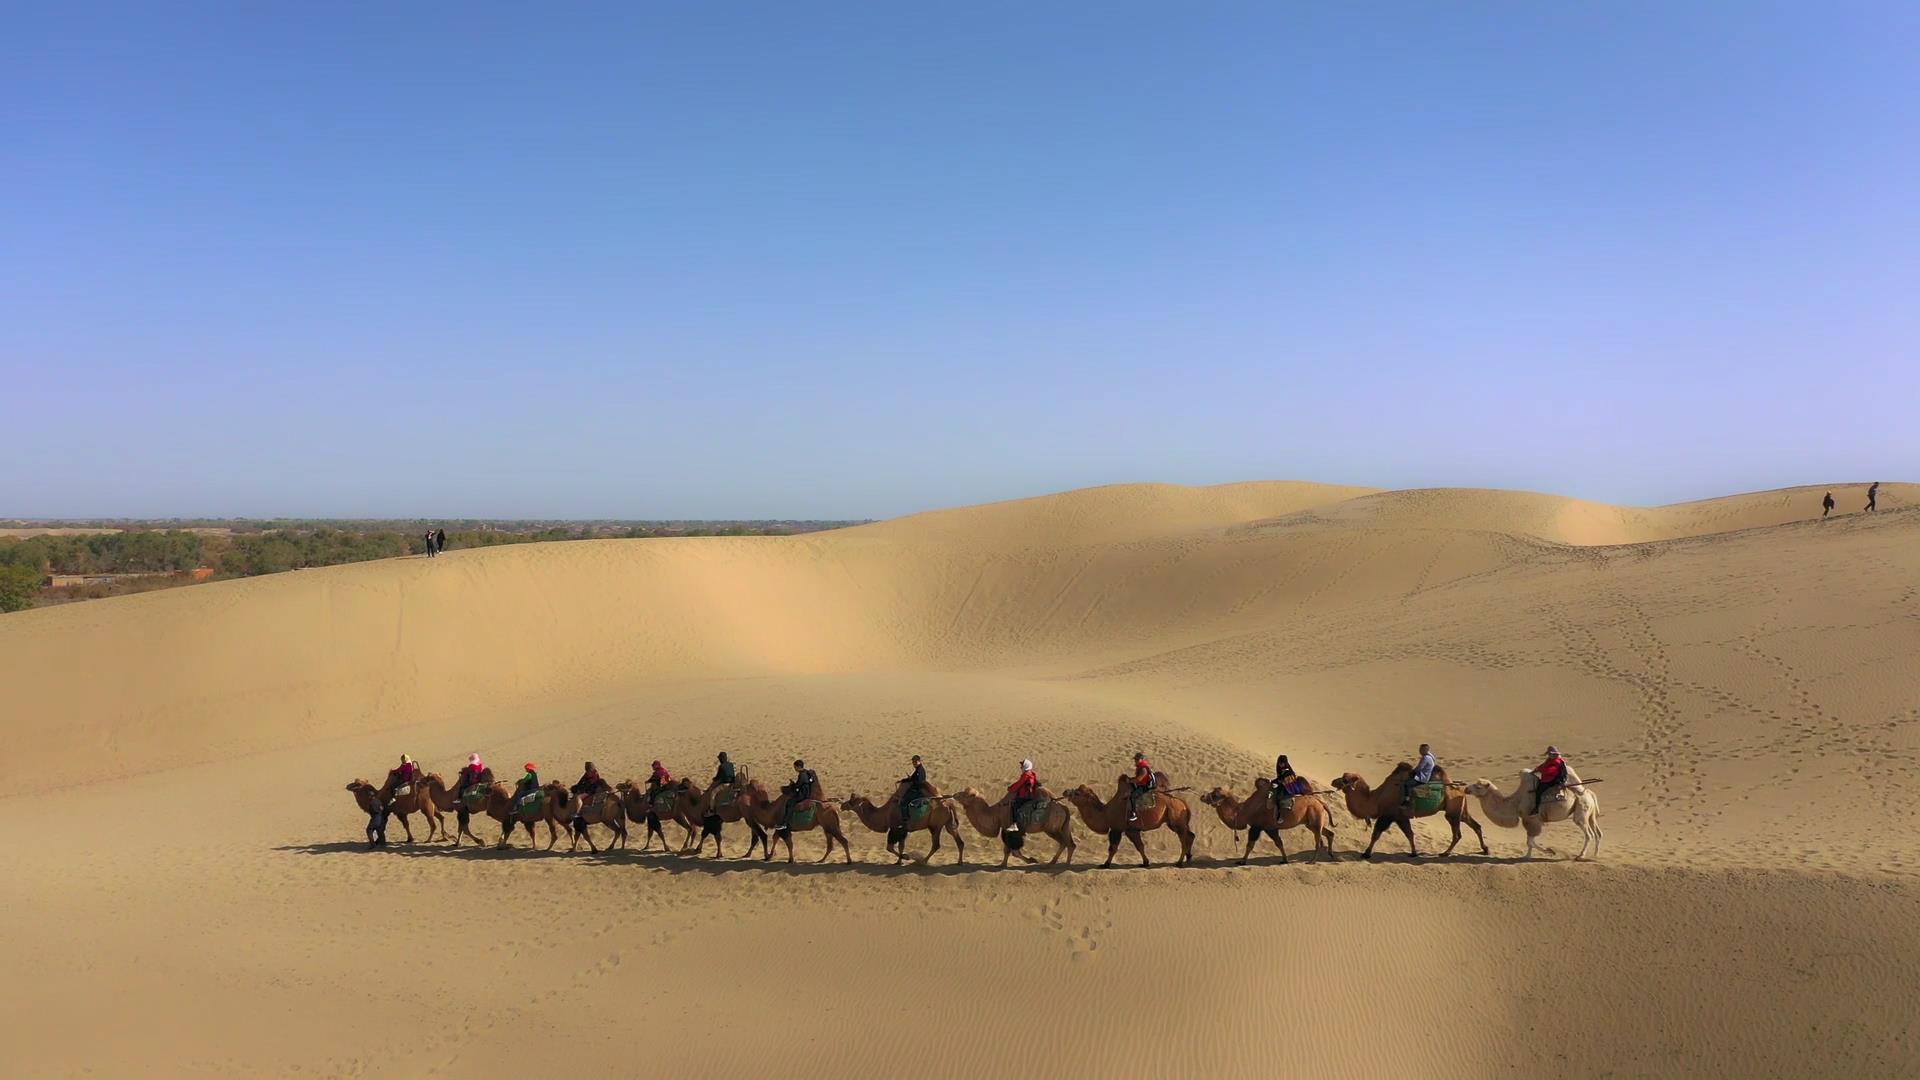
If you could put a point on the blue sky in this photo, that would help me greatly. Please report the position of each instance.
(852, 260)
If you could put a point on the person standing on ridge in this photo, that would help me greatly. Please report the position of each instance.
(439, 540)
(1826, 505)
(1873, 497)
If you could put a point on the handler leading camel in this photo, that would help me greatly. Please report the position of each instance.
(1386, 807)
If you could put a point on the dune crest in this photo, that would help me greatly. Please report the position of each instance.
(1727, 667)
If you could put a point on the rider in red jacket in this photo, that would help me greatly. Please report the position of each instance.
(1549, 776)
(1142, 782)
(1023, 790)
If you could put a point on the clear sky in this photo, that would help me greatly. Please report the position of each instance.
(851, 260)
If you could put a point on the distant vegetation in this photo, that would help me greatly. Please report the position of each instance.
(147, 555)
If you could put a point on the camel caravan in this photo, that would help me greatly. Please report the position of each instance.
(1141, 802)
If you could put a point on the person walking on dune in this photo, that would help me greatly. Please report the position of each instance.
(1873, 497)
(1826, 505)
(439, 540)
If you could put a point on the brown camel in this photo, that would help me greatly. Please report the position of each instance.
(721, 804)
(602, 809)
(678, 802)
(814, 813)
(940, 817)
(503, 808)
(1110, 817)
(1260, 817)
(414, 801)
(1050, 816)
(1384, 806)
(447, 801)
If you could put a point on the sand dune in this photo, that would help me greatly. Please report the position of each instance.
(1735, 669)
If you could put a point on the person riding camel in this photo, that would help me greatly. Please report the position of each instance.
(659, 779)
(528, 784)
(402, 778)
(1422, 773)
(723, 774)
(799, 792)
(1283, 775)
(1549, 776)
(1023, 790)
(470, 774)
(1143, 784)
(912, 786)
(589, 786)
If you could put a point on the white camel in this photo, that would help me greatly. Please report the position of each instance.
(1574, 802)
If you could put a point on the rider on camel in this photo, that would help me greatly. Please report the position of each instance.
(470, 774)
(1023, 791)
(528, 784)
(589, 786)
(659, 779)
(912, 786)
(402, 777)
(1549, 776)
(1143, 783)
(724, 775)
(1283, 775)
(1422, 773)
(798, 792)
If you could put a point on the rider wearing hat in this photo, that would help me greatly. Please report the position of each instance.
(1023, 791)
(1549, 776)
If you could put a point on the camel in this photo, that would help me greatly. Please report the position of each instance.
(940, 817)
(771, 814)
(367, 798)
(602, 809)
(720, 805)
(1383, 805)
(380, 802)
(680, 798)
(992, 819)
(1110, 817)
(503, 808)
(1259, 817)
(1574, 802)
(447, 801)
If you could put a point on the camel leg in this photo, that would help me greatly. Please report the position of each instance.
(1253, 837)
(1186, 845)
(1406, 826)
(1380, 825)
(403, 824)
(959, 845)
(1453, 820)
(1140, 846)
(1467, 816)
(846, 849)
(1113, 845)
(1282, 841)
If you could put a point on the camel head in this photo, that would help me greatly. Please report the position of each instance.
(1216, 796)
(856, 802)
(1347, 781)
(626, 788)
(1480, 787)
(359, 785)
(1084, 792)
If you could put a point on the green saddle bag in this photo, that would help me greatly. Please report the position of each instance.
(917, 810)
(1034, 814)
(1429, 797)
(802, 816)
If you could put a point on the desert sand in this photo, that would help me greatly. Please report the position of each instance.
(189, 891)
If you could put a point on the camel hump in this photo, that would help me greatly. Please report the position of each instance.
(1161, 780)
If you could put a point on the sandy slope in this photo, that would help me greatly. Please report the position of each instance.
(1736, 672)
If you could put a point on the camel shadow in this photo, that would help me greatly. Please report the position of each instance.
(417, 850)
